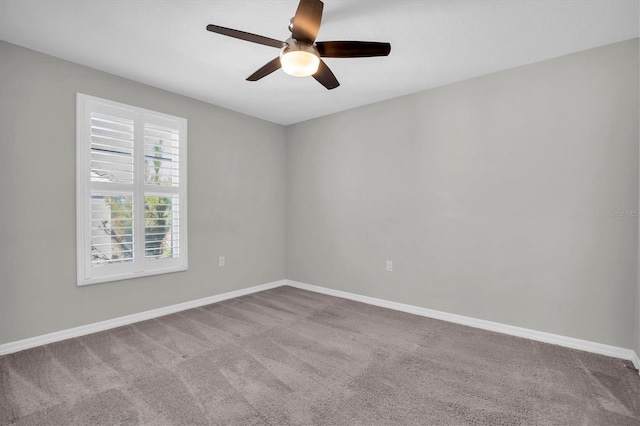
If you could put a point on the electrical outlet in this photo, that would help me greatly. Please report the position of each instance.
(221, 261)
(389, 266)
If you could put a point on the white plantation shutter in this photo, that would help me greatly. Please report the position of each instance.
(162, 209)
(162, 156)
(111, 149)
(111, 228)
(131, 191)
(161, 226)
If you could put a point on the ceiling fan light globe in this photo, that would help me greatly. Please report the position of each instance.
(299, 63)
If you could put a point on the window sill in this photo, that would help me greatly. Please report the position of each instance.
(130, 275)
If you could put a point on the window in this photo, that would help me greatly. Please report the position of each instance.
(131, 191)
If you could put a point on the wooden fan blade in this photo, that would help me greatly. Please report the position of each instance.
(325, 77)
(253, 38)
(306, 22)
(267, 69)
(352, 49)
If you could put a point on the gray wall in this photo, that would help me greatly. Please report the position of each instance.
(236, 199)
(490, 196)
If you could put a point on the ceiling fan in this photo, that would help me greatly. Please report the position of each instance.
(300, 54)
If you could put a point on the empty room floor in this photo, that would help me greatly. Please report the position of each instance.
(290, 356)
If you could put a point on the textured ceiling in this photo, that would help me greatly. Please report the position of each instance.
(165, 44)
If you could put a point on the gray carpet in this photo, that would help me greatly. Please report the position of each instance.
(288, 356)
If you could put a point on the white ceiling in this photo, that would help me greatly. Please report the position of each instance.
(433, 43)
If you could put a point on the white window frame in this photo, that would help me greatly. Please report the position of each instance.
(139, 267)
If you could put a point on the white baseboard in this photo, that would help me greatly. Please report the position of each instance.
(636, 360)
(20, 345)
(569, 342)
